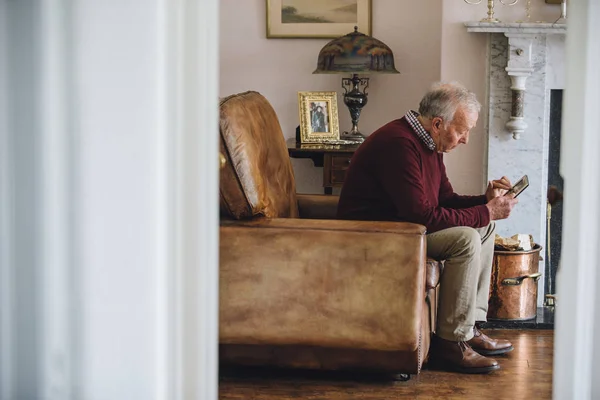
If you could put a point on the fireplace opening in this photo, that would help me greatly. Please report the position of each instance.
(552, 248)
(554, 223)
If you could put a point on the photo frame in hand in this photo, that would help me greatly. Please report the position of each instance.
(518, 187)
(318, 117)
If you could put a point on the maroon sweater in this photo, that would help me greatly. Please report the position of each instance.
(393, 176)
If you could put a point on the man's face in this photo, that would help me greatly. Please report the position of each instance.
(457, 132)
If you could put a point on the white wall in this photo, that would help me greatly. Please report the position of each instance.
(279, 68)
(464, 59)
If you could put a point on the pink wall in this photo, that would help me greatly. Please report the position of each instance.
(279, 68)
(429, 42)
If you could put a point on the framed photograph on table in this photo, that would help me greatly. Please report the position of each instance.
(318, 117)
(317, 18)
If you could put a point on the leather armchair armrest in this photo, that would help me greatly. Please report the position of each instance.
(317, 206)
(355, 226)
(434, 272)
(343, 284)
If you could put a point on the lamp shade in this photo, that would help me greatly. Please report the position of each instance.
(355, 53)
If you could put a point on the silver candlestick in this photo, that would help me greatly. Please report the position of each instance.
(490, 17)
(563, 11)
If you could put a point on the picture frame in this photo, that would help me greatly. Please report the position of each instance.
(319, 121)
(317, 18)
(518, 187)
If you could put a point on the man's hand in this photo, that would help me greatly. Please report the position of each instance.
(501, 206)
(497, 188)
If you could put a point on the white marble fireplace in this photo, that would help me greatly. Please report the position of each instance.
(525, 61)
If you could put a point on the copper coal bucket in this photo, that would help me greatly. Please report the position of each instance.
(513, 287)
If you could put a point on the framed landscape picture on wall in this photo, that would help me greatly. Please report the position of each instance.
(317, 18)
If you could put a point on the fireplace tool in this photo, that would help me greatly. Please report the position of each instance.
(550, 299)
(553, 196)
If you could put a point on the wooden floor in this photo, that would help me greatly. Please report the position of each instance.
(526, 373)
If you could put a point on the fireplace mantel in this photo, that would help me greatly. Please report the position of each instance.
(525, 28)
(521, 37)
(524, 62)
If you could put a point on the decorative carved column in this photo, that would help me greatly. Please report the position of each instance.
(519, 68)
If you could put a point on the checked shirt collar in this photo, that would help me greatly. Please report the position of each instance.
(411, 117)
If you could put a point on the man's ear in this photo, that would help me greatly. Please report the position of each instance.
(437, 123)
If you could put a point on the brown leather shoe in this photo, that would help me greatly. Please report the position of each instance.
(486, 346)
(459, 356)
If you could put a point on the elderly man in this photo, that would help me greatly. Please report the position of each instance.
(398, 174)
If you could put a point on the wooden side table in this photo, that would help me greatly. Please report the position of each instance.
(334, 158)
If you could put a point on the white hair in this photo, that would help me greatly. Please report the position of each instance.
(444, 99)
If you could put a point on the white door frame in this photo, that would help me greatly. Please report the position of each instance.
(56, 270)
(187, 300)
(194, 27)
(6, 233)
(23, 343)
(577, 280)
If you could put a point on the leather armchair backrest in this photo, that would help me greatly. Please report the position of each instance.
(257, 178)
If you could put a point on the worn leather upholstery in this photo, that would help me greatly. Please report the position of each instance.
(405, 228)
(313, 291)
(333, 358)
(317, 206)
(322, 292)
(257, 178)
(434, 271)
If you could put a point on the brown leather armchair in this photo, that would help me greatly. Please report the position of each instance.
(299, 288)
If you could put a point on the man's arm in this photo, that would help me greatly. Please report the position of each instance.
(399, 172)
(448, 198)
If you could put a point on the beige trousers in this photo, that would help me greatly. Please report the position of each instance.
(465, 281)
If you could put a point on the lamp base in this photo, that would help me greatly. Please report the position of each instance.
(353, 136)
(355, 100)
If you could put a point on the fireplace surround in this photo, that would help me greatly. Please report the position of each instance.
(525, 61)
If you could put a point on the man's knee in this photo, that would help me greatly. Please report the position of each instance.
(468, 241)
